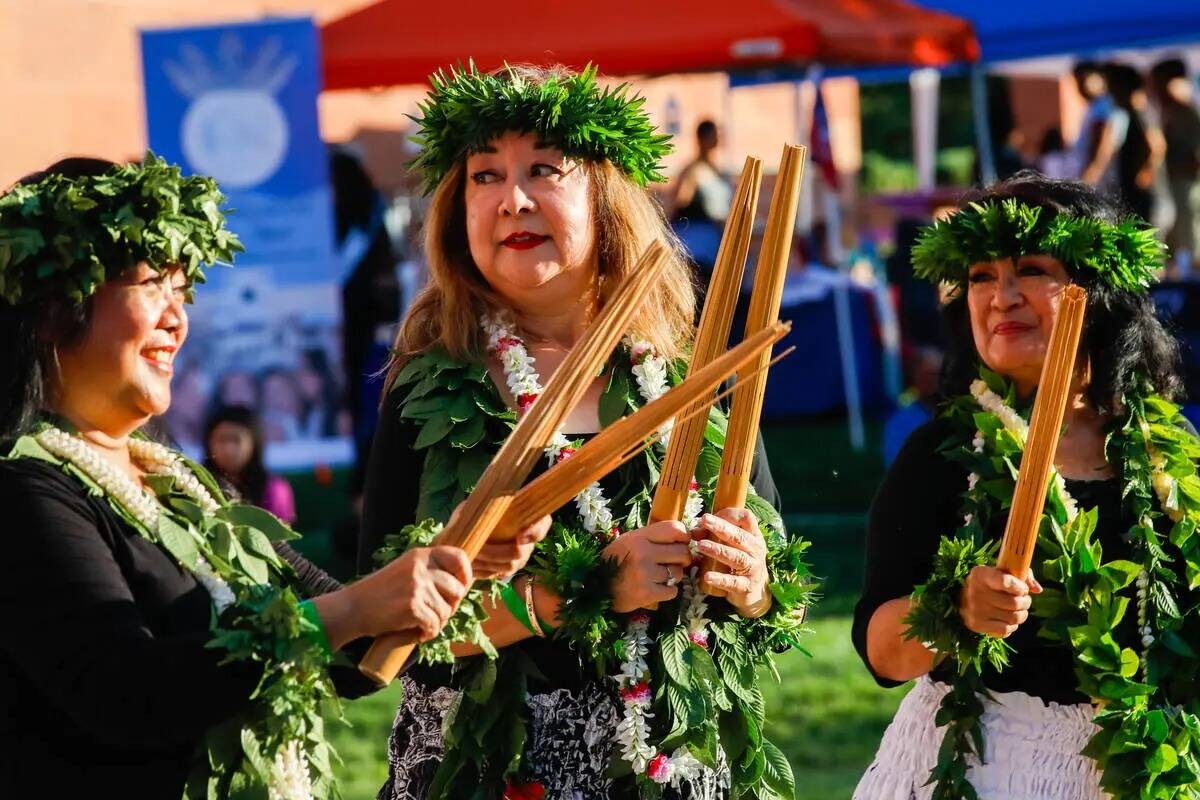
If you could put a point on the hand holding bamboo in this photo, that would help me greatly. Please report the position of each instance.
(1029, 497)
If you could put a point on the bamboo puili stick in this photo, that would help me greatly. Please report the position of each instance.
(712, 337)
(1029, 497)
(769, 276)
(486, 504)
(607, 450)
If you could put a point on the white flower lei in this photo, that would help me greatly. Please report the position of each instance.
(138, 501)
(1016, 425)
(289, 776)
(650, 373)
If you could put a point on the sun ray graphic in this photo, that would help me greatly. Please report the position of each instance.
(234, 128)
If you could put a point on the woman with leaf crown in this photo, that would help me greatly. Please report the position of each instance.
(602, 670)
(1081, 681)
(157, 640)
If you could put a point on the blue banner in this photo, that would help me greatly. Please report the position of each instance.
(238, 102)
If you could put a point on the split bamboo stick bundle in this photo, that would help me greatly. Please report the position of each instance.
(485, 505)
(627, 436)
(1045, 426)
(742, 433)
(712, 337)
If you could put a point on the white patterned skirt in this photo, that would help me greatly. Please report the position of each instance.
(1031, 750)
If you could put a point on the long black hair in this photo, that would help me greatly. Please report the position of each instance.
(31, 331)
(251, 484)
(1122, 336)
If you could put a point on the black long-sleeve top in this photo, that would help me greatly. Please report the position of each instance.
(390, 503)
(106, 684)
(919, 501)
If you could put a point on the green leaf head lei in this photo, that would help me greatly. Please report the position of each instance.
(466, 109)
(1124, 255)
(62, 237)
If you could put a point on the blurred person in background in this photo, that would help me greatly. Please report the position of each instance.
(1093, 88)
(1181, 132)
(918, 405)
(700, 199)
(1054, 159)
(371, 299)
(808, 272)
(233, 453)
(320, 395)
(185, 419)
(281, 407)
(701, 191)
(1007, 138)
(1131, 145)
(917, 300)
(236, 387)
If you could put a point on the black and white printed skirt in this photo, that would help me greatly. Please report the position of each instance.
(570, 745)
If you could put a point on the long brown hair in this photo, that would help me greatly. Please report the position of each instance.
(626, 219)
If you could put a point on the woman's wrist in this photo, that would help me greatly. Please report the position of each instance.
(315, 629)
(339, 616)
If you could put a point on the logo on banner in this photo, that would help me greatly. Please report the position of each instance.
(234, 129)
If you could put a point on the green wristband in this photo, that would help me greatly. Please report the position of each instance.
(516, 604)
(318, 634)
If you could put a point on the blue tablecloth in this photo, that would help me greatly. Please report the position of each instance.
(809, 381)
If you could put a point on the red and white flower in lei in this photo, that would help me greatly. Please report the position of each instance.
(650, 373)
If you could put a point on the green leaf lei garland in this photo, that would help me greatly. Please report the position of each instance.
(64, 237)
(707, 699)
(466, 109)
(1125, 255)
(1145, 682)
(265, 625)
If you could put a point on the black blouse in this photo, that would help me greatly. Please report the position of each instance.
(106, 684)
(390, 503)
(919, 501)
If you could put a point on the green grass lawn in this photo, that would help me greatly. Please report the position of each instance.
(363, 745)
(826, 714)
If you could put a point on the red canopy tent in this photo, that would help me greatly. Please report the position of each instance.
(887, 32)
(395, 42)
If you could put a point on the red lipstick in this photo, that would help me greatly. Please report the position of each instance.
(1011, 328)
(523, 240)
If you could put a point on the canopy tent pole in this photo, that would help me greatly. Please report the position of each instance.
(831, 202)
(983, 128)
(845, 325)
(803, 106)
(923, 88)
